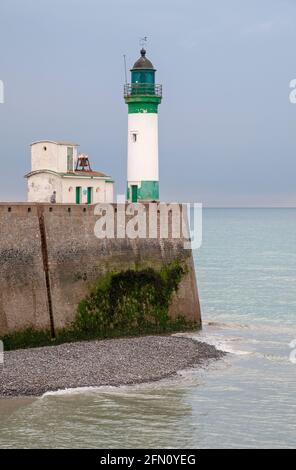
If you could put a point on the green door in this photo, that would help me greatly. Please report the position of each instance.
(134, 193)
(89, 195)
(78, 194)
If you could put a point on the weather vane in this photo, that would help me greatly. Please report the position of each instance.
(143, 41)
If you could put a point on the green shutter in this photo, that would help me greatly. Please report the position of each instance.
(78, 194)
(89, 195)
(134, 193)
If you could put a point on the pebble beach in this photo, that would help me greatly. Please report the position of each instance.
(114, 362)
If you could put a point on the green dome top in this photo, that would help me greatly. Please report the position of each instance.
(143, 63)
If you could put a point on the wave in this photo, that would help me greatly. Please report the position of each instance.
(77, 390)
(225, 325)
(218, 342)
(269, 326)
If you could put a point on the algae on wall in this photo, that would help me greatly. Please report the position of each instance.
(129, 302)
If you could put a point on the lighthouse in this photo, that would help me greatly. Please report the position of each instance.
(142, 96)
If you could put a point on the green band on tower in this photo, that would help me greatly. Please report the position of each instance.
(142, 104)
(142, 108)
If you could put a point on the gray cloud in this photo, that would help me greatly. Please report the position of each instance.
(227, 128)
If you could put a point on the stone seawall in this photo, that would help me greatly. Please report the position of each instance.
(50, 256)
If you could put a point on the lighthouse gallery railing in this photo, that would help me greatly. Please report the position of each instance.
(132, 89)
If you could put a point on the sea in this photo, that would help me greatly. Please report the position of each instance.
(246, 273)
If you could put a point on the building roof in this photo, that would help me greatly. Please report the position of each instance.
(73, 174)
(85, 173)
(143, 62)
(57, 142)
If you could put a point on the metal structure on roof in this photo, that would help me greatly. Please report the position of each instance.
(83, 163)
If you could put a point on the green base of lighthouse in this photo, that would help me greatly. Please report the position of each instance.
(145, 191)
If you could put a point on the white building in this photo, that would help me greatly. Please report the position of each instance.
(59, 173)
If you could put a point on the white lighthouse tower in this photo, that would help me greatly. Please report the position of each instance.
(142, 97)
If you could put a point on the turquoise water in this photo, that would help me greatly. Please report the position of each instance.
(246, 271)
(247, 265)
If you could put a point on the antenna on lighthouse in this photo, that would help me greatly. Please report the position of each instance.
(125, 74)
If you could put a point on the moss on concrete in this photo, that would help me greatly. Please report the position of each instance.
(125, 303)
(130, 300)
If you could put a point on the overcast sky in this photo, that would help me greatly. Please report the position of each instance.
(227, 130)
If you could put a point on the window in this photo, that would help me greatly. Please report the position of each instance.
(69, 158)
(134, 137)
(44, 148)
(143, 76)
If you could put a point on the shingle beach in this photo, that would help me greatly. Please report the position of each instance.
(32, 372)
